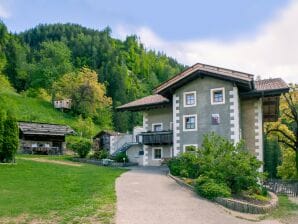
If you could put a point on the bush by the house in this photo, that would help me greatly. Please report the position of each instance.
(210, 188)
(9, 137)
(226, 168)
(81, 147)
(185, 165)
(120, 157)
(227, 163)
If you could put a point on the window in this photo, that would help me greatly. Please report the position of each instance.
(190, 99)
(157, 153)
(157, 127)
(217, 96)
(190, 122)
(190, 147)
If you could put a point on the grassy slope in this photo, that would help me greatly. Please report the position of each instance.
(63, 193)
(32, 109)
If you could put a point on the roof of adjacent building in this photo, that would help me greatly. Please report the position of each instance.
(152, 100)
(270, 84)
(32, 128)
(250, 87)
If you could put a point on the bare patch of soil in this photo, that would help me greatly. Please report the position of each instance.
(53, 161)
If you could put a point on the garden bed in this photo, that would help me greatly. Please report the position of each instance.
(237, 203)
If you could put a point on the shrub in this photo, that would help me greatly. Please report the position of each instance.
(82, 147)
(10, 139)
(120, 157)
(210, 189)
(227, 163)
(100, 154)
(185, 165)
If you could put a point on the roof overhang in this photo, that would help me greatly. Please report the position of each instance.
(264, 93)
(144, 107)
(243, 84)
(242, 80)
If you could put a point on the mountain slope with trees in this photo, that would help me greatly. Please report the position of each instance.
(38, 58)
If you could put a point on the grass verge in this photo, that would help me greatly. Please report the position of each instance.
(47, 192)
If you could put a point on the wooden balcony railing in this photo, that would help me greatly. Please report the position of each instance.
(156, 138)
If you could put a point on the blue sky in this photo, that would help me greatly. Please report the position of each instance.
(236, 34)
(173, 20)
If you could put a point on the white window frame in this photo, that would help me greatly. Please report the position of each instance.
(223, 96)
(153, 153)
(152, 127)
(196, 122)
(195, 99)
(184, 146)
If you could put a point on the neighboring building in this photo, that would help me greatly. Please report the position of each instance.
(42, 138)
(62, 104)
(111, 141)
(200, 100)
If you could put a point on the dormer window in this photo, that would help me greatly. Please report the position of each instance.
(217, 96)
(190, 99)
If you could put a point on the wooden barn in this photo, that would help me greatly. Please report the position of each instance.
(43, 138)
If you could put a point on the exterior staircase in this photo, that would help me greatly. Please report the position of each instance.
(124, 147)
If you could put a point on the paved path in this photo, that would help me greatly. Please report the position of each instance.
(148, 196)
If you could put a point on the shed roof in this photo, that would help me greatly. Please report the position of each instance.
(32, 128)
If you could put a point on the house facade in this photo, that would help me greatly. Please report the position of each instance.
(200, 100)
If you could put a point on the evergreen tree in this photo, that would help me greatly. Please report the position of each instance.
(10, 138)
(272, 156)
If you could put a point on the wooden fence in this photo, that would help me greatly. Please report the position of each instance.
(289, 187)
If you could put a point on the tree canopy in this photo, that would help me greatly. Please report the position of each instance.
(39, 57)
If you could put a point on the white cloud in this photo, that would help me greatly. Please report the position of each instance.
(4, 13)
(272, 52)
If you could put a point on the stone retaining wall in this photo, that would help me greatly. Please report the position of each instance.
(236, 205)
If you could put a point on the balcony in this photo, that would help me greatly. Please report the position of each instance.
(156, 138)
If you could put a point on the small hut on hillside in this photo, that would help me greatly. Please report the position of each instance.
(43, 138)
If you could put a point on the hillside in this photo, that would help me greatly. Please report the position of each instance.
(39, 57)
(36, 110)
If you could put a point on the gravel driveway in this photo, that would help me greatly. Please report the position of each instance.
(148, 196)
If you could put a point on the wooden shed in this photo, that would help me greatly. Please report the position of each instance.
(43, 138)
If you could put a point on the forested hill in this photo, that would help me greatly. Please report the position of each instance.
(37, 58)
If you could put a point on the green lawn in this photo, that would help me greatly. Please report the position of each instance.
(285, 210)
(67, 194)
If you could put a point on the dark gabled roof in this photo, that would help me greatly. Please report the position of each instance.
(145, 102)
(248, 87)
(218, 72)
(32, 128)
